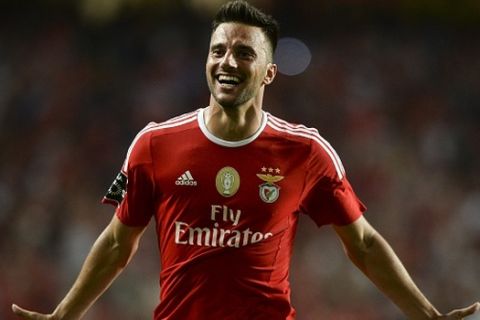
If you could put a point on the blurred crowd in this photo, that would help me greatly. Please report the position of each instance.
(398, 97)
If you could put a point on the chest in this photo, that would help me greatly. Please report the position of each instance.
(259, 184)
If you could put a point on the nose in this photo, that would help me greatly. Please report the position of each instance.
(228, 61)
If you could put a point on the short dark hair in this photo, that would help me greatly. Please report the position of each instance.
(242, 12)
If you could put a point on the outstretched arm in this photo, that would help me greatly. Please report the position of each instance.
(109, 255)
(371, 253)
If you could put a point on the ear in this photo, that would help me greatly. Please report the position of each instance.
(270, 74)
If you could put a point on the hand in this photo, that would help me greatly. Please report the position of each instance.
(461, 313)
(30, 315)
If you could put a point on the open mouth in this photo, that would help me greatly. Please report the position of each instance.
(228, 81)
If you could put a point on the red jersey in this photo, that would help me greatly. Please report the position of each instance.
(226, 212)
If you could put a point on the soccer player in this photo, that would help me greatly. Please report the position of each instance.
(226, 185)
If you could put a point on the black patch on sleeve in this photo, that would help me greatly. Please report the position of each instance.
(117, 190)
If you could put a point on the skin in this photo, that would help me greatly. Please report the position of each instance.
(371, 253)
(235, 113)
(107, 258)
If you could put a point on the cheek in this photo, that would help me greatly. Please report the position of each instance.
(210, 63)
(209, 71)
(260, 75)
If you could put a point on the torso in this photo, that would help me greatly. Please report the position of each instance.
(226, 214)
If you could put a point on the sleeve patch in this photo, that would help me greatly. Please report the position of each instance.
(117, 190)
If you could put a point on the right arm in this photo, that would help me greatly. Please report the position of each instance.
(371, 253)
(109, 255)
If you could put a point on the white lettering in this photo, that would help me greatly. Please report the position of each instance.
(235, 217)
(228, 215)
(257, 236)
(223, 232)
(215, 209)
(185, 183)
(225, 213)
(235, 240)
(246, 235)
(214, 234)
(196, 233)
(217, 236)
(179, 232)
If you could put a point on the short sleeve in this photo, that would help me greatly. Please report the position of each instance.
(133, 189)
(328, 197)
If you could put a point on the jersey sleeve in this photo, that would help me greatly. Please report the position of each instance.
(328, 197)
(132, 191)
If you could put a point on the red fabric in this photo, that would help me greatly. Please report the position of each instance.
(228, 257)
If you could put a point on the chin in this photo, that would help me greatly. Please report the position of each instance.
(227, 103)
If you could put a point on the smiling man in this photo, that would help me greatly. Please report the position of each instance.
(239, 66)
(226, 200)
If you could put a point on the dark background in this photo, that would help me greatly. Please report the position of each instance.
(394, 86)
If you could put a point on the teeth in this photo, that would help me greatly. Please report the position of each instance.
(228, 78)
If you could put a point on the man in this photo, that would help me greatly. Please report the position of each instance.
(226, 185)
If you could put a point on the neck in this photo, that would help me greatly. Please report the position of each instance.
(233, 124)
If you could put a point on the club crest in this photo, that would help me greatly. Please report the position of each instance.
(227, 181)
(269, 191)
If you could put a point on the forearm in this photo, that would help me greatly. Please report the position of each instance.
(379, 262)
(102, 265)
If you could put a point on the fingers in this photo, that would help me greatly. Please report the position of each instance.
(22, 312)
(464, 312)
(29, 315)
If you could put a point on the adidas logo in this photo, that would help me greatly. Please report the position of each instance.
(186, 179)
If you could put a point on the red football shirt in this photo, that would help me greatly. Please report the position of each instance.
(226, 212)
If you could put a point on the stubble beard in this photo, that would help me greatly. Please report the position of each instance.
(231, 104)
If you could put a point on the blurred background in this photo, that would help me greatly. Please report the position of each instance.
(394, 86)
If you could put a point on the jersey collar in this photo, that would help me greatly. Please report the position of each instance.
(226, 143)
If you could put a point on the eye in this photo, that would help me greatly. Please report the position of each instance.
(217, 52)
(245, 55)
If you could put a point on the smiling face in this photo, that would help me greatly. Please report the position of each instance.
(238, 64)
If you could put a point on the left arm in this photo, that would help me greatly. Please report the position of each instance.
(371, 253)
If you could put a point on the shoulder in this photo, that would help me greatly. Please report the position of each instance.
(296, 131)
(177, 123)
(321, 149)
(291, 130)
(139, 150)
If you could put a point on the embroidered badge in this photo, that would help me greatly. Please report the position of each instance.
(269, 191)
(227, 181)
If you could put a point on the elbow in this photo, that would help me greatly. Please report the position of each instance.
(369, 240)
(125, 254)
(360, 250)
(121, 252)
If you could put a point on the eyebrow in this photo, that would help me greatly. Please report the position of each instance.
(217, 46)
(245, 47)
(235, 47)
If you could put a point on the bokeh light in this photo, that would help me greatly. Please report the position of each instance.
(292, 56)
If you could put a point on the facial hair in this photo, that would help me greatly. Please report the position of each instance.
(243, 96)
